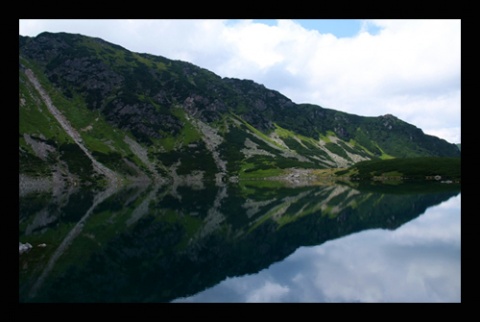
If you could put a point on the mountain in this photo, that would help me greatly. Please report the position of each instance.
(91, 111)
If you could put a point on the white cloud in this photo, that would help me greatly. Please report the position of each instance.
(410, 68)
(268, 292)
(442, 225)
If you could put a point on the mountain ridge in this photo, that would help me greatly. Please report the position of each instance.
(145, 116)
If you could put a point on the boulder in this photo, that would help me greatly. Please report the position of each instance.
(24, 247)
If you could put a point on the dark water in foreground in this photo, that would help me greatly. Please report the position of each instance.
(249, 242)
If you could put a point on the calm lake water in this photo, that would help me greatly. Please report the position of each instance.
(246, 242)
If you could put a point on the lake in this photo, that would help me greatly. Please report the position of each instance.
(255, 241)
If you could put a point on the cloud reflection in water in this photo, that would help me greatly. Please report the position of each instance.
(418, 262)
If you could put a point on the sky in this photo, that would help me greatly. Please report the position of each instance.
(424, 254)
(408, 68)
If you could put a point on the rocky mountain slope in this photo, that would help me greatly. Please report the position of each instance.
(91, 112)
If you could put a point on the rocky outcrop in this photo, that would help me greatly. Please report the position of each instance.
(22, 248)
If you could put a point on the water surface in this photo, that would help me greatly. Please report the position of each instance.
(247, 242)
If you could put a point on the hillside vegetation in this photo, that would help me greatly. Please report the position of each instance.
(120, 115)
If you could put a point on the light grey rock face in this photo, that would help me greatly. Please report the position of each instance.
(22, 248)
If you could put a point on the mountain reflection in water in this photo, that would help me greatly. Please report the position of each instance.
(164, 244)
